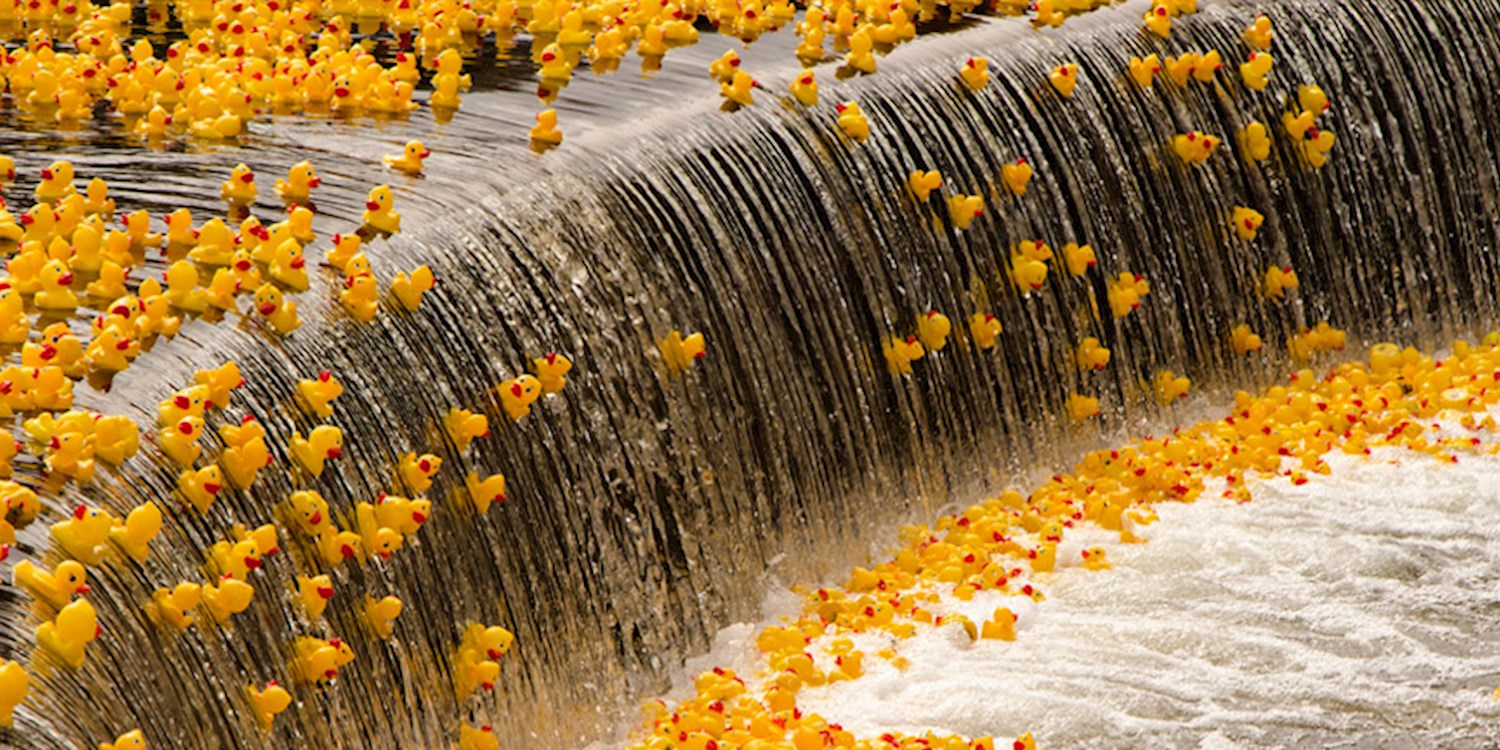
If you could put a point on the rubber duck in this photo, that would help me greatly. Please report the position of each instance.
(378, 210)
(1025, 742)
(240, 187)
(84, 533)
(55, 292)
(1078, 258)
(180, 228)
(1195, 147)
(975, 72)
(1016, 176)
(266, 702)
(56, 183)
(678, 353)
(900, 353)
(377, 540)
(860, 56)
(472, 671)
(14, 684)
(300, 181)
(201, 486)
(220, 381)
(933, 329)
(180, 441)
(805, 88)
(110, 284)
(227, 598)
(360, 296)
(1094, 559)
(7, 170)
(738, 90)
(1092, 355)
(408, 289)
(15, 325)
(1259, 34)
(57, 347)
(111, 350)
(137, 226)
(1208, 64)
(1316, 146)
(923, 183)
(245, 453)
(1000, 627)
(551, 371)
(98, 200)
(314, 593)
(380, 615)
(1180, 69)
(482, 738)
(298, 225)
(1167, 386)
(410, 158)
(156, 123)
(417, 471)
(318, 394)
(1278, 280)
(724, 68)
(1142, 69)
(1255, 71)
(485, 491)
(289, 266)
(323, 443)
(1081, 407)
(1255, 139)
(174, 607)
(280, 312)
(345, 246)
(67, 637)
(852, 121)
(463, 426)
(1063, 78)
(1124, 293)
(984, 329)
(1158, 20)
(1246, 222)
(1243, 341)
(318, 661)
(116, 438)
(56, 587)
(1027, 274)
(1312, 99)
(215, 244)
(134, 536)
(964, 209)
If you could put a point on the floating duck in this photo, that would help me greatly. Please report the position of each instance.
(1063, 78)
(933, 329)
(314, 593)
(83, 535)
(485, 491)
(985, 329)
(463, 426)
(1091, 355)
(860, 56)
(55, 291)
(923, 183)
(56, 183)
(1243, 341)
(318, 661)
(1312, 99)
(900, 353)
(975, 72)
(1016, 176)
(1124, 293)
(1081, 407)
(677, 351)
(375, 539)
(58, 347)
(174, 607)
(417, 471)
(240, 187)
(724, 68)
(1167, 386)
(56, 587)
(180, 441)
(281, 313)
(215, 245)
(1029, 275)
(360, 294)
(67, 637)
(1094, 559)
(110, 283)
(245, 452)
(1246, 222)
(97, 200)
(1316, 146)
(116, 438)
(192, 401)
(408, 290)
(1158, 20)
(1000, 627)
(227, 598)
(1255, 139)
(1278, 280)
(852, 121)
(14, 684)
(323, 443)
(964, 209)
(318, 394)
(201, 486)
(137, 227)
(183, 291)
(471, 672)
(1078, 258)
(111, 350)
(221, 293)
(1255, 71)
(738, 90)
(300, 181)
(519, 393)
(1194, 147)
(545, 131)
(551, 371)
(805, 88)
(380, 615)
(409, 160)
(482, 738)
(1259, 34)
(134, 536)
(1142, 69)
(1208, 65)
(266, 702)
(345, 247)
(378, 210)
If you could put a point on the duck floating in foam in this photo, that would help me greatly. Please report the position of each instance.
(1168, 386)
(68, 635)
(1000, 627)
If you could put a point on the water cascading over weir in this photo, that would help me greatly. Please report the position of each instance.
(645, 509)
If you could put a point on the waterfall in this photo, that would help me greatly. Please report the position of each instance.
(646, 509)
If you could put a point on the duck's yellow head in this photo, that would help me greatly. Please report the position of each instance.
(380, 198)
(268, 299)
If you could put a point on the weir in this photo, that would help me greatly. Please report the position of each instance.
(646, 510)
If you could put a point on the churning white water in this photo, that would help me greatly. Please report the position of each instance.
(1361, 610)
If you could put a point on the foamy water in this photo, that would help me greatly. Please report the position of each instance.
(1361, 610)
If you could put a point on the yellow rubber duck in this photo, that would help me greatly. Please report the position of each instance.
(1313, 99)
(1278, 280)
(83, 535)
(1081, 407)
(55, 292)
(1208, 65)
(984, 329)
(1000, 627)
(1124, 293)
(1316, 146)
(1255, 139)
(1027, 274)
(183, 291)
(1016, 176)
(1259, 34)
(67, 637)
(110, 350)
(409, 160)
(98, 200)
(1142, 69)
(380, 615)
(1256, 71)
(240, 187)
(56, 587)
(221, 381)
(14, 684)
(57, 347)
(201, 486)
(379, 211)
(301, 180)
(933, 329)
(1243, 341)
(116, 438)
(1092, 355)
(923, 183)
(323, 443)
(1158, 20)
(519, 393)
(482, 738)
(738, 90)
(110, 283)
(724, 68)
(1296, 126)
(174, 607)
(678, 352)
(805, 88)
(317, 661)
(281, 313)
(361, 295)
(1195, 147)
(289, 266)
(1167, 386)
(485, 491)
(964, 209)
(1078, 258)
(545, 131)
(1180, 69)
(191, 401)
(975, 72)
(551, 371)
(227, 598)
(132, 740)
(318, 393)
(215, 244)
(180, 441)
(345, 246)
(134, 536)
(1064, 78)
(137, 226)
(408, 289)
(377, 540)
(900, 353)
(1246, 222)
(56, 183)
(417, 471)
(852, 121)
(314, 593)
(266, 702)
(245, 452)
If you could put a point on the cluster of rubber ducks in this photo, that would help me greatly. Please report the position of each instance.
(1006, 548)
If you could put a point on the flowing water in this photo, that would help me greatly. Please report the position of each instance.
(645, 510)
